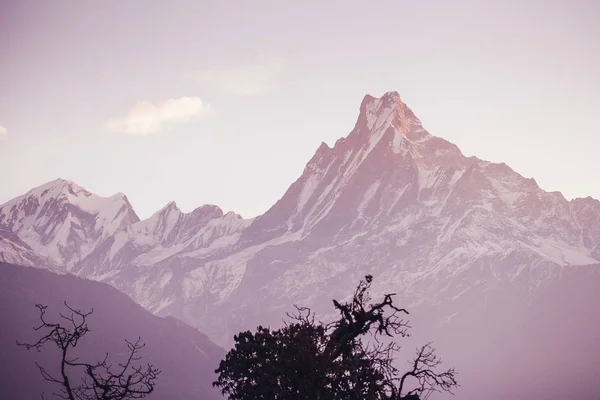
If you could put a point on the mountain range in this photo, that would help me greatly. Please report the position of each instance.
(483, 257)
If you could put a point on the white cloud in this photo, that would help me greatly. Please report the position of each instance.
(248, 80)
(3, 131)
(146, 118)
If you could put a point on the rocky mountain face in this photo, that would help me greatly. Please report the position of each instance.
(470, 246)
(186, 357)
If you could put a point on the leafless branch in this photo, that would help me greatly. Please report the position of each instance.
(101, 381)
(359, 317)
(423, 370)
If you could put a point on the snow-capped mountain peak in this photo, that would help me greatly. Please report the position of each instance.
(387, 159)
(57, 190)
(388, 110)
(63, 221)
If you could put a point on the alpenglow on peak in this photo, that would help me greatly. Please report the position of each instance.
(387, 111)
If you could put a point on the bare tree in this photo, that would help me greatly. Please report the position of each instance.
(424, 371)
(101, 381)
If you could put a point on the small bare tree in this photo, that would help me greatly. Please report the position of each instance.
(424, 372)
(101, 381)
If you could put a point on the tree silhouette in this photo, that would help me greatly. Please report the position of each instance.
(309, 360)
(101, 380)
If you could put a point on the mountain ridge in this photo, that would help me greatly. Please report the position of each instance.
(386, 165)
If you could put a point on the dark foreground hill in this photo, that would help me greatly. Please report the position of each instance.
(186, 357)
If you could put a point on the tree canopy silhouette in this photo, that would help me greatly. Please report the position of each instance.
(311, 360)
(101, 380)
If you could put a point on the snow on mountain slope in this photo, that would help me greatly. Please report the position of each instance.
(167, 235)
(14, 251)
(63, 222)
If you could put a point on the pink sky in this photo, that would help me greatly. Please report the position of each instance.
(224, 103)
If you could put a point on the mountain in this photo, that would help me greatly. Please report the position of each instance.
(186, 357)
(471, 247)
(64, 222)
